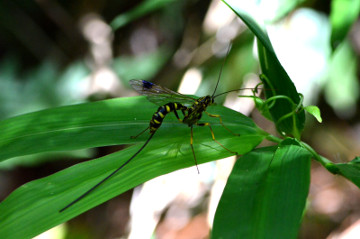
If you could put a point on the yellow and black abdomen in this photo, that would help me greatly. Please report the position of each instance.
(162, 111)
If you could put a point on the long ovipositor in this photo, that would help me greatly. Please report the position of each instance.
(169, 101)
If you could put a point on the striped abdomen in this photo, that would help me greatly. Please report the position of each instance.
(162, 111)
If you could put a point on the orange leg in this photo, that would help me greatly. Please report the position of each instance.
(220, 119)
(192, 148)
(213, 136)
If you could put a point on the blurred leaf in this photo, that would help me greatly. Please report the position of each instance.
(314, 111)
(9, 87)
(239, 63)
(343, 14)
(70, 83)
(142, 9)
(142, 67)
(247, 11)
(241, 60)
(284, 7)
(356, 160)
(278, 80)
(342, 88)
(265, 194)
(35, 206)
(41, 87)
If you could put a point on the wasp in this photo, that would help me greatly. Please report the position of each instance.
(192, 109)
(170, 101)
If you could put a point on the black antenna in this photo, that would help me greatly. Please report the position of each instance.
(232, 91)
(222, 66)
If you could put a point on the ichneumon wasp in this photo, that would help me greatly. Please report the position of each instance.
(170, 102)
(177, 102)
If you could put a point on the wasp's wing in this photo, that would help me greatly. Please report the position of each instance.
(159, 95)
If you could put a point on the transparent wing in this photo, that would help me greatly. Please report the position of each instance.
(159, 95)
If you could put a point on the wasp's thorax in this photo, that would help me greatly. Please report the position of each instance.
(194, 112)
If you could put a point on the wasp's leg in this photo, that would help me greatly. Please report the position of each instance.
(183, 111)
(220, 119)
(192, 148)
(177, 116)
(213, 136)
(134, 137)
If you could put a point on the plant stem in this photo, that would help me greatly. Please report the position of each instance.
(273, 138)
(330, 166)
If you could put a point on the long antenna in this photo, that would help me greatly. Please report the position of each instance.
(222, 66)
(232, 91)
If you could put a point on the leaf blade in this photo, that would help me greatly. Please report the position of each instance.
(249, 206)
(36, 205)
(278, 80)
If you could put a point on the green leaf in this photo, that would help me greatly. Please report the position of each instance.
(265, 194)
(58, 88)
(142, 9)
(286, 108)
(349, 170)
(35, 206)
(342, 87)
(108, 122)
(314, 111)
(284, 8)
(144, 66)
(343, 14)
(276, 77)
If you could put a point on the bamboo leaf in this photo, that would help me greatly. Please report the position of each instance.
(265, 194)
(276, 77)
(35, 206)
